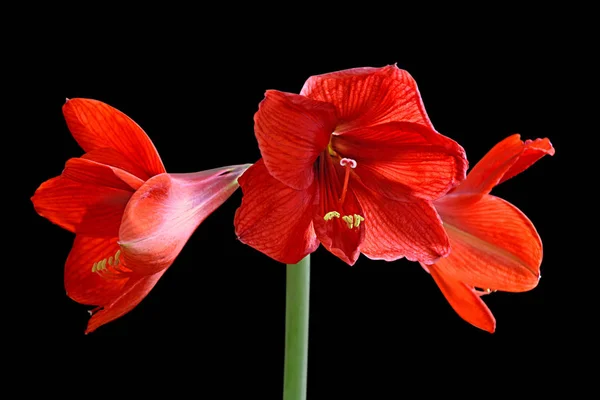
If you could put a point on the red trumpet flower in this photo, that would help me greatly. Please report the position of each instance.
(352, 162)
(130, 217)
(494, 245)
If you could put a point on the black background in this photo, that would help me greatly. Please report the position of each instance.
(219, 310)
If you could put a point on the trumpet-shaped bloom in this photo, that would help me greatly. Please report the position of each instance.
(130, 217)
(494, 245)
(352, 162)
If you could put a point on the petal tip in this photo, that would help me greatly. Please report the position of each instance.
(432, 261)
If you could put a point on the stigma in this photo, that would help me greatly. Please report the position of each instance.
(348, 162)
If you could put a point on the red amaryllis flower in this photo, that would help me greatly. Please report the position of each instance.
(494, 245)
(352, 162)
(130, 217)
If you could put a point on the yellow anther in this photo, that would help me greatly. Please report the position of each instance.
(331, 215)
(349, 220)
(101, 265)
(357, 220)
(353, 221)
(330, 148)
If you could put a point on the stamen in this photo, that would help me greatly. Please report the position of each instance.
(331, 215)
(348, 163)
(114, 270)
(357, 220)
(108, 274)
(349, 220)
(353, 221)
(331, 151)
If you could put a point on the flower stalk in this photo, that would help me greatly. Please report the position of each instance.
(296, 329)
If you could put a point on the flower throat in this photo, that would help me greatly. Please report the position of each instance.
(354, 220)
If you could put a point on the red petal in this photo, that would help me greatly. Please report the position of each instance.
(83, 285)
(274, 218)
(162, 215)
(292, 131)
(502, 162)
(132, 294)
(335, 234)
(533, 151)
(82, 208)
(402, 159)
(93, 173)
(115, 159)
(396, 229)
(369, 96)
(494, 245)
(464, 300)
(97, 125)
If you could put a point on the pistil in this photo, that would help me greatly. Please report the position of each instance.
(347, 163)
(352, 220)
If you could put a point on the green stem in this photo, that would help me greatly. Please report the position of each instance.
(296, 330)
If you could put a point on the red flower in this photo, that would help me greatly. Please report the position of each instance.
(353, 162)
(131, 219)
(494, 245)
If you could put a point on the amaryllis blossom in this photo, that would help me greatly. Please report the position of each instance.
(352, 162)
(494, 245)
(130, 217)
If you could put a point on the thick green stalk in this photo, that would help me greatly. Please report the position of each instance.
(296, 330)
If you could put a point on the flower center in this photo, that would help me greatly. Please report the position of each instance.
(114, 269)
(352, 221)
